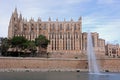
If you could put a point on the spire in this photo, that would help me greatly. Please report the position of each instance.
(20, 17)
(71, 19)
(64, 19)
(15, 11)
(31, 20)
(49, 19)
(80, 18)
(25, 20)
(39, 19)
(57, 19)
(15, 14)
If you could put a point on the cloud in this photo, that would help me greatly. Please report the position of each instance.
(109, 30)
(100, 16)
(106, 26)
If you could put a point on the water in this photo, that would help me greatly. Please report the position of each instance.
(56, 76)
(93, 66)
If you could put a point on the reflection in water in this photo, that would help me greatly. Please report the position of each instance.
(98, 77)
(104, 77)
(57, 76)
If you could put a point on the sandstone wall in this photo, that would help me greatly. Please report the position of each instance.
(42, 63)
(112, 65)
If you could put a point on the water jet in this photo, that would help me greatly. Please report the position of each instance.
(92, 62)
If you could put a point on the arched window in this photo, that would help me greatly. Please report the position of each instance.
(76, 35)
(60, 26)
(15, 27)
(53, 27)
(25, 29)
(25, 24)
(32, 24)
(14, 18)
(68, 27)
(93, 41)
(75, 28)
(68, 35)
(44, 27)
(68, 45)
(60, 35)
(39, 24)
(32, 28)
(53, 35)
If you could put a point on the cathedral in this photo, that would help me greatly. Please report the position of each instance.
(65, 36)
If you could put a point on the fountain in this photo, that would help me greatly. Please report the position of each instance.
(92, 63)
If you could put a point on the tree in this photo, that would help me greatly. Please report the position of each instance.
(19, 43)
(23, 44)
(42, 43)
(32, 47)
(5, 44)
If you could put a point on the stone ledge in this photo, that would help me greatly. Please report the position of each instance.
(43, 70)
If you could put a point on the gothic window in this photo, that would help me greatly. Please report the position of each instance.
(14, 18)
(53, 35)
(60, 26)
(44, 27)
(76, 35)
(68, 27)
(25, 29)
(39, 28)
(68, 35)
(39, 24)
(32, 28)
(93, 41)
(60, 35)
(68, 45)
(75, 28)
(110, 54)
(32, 24)
(53, 27)
(52, 44)
(113, 51)
(15, 28)
(25, 24)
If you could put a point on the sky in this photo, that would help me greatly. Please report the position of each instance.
(102, 16)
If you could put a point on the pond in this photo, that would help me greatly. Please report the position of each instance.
(57, 76)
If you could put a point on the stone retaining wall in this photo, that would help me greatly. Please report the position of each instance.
(112, 65)
(44, 63)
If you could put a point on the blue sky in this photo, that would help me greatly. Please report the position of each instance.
(102, 16)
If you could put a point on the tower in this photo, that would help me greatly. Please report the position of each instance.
(13, 24)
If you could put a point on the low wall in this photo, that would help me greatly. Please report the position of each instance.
(37, 63)
(112, 65)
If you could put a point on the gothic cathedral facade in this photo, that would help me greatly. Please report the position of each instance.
(65, 36)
